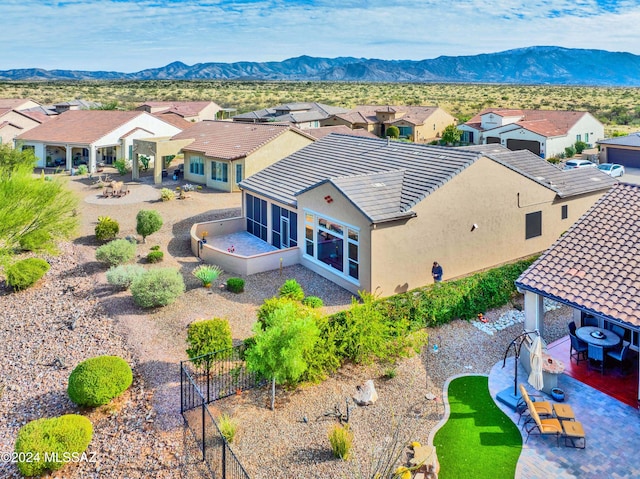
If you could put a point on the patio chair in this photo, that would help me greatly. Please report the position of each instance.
(619, 330)
(546, 427)
(578, 348)
(590, 321)
(525, 405)
(596, 353)
(572, 327)
(620, 354)
(573, 433)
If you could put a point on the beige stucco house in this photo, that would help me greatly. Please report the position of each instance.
(300, 114)
(372, 214)
(18, 104)
(191, 111)
(223, 153)
(544, 132)
(13, 123)
(420, 124)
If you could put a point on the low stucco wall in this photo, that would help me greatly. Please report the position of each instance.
(233, 262)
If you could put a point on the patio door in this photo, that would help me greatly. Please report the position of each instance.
(284, 232)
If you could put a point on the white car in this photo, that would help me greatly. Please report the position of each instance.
(612, 169)
(573, 164)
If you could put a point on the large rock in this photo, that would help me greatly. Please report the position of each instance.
(366, 394)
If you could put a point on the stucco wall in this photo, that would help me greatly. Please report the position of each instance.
(433, 126)
(282, 146)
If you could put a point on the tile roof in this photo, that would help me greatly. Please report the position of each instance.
(182, 108)
(298, 112)
(630, 140)
(230, 140)
(544, 122)
(596, 264)
(176, 120)
(343, 129)
(367, 113)
(80, 126)
(12, 103)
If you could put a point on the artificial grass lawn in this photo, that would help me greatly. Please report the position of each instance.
(478, 440)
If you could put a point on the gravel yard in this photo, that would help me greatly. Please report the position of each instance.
(73, 314)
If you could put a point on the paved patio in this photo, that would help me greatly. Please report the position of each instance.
(611, 427)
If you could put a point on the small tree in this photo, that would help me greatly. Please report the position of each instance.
(147, 223)
(279, 350)
(393, 132)
(451, 135)
(580, 146)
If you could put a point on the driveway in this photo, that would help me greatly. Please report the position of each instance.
(631, 175)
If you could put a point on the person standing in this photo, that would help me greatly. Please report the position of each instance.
(436, 272)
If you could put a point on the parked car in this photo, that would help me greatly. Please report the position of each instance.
(573, 164)
(612, 169)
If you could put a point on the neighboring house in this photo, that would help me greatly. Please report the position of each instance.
(18, 104)
(74, 105)
(91, 137)
(594, 267)
(223, 153)
(323, 131)
(372, 214)
(191, 111)
(13, 123)
(303, 115)
(624, 150)
(544, 132)
(420, 124)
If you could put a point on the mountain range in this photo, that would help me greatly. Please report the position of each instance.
(532, 65)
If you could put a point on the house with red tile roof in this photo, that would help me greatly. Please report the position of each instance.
(323, 131)
(594, 268)
(544, 132)
(91, 137)
(14, 123)
(420, 124)
(190, 111)
(223, 153)
(18, 103)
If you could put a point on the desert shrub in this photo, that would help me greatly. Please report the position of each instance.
(291, 289)
(235, 285)
(313, 302)
(207, 273)
(208, 336)
(98, 380)
(122, 276)
(83, 170)
(228, 427)
(37, 240)
(147, 223)
(325, 357)
(70, 433)
(106, 229)
(270, 305)
(167, 195)
(24, 273)
(116, 252)
(554, 160)
(570, 152)
(157, 287)
(341, 440)
(122, 166)
(155, 256)
(580, 146)
(390, 372)
(155, 248)
(393, 132)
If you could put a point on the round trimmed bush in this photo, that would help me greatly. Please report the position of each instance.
(55, 436)
(147, 223)
(235, 285)
(106, 229)
(208, 336)
(24, 273)
(155, 256)
(291, 289)
(122, 276)
(313, 302)
(98, 380)
(157, 287)
(116, 252)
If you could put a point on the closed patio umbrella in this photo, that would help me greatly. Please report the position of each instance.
(535, 377)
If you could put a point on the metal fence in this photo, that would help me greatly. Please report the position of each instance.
(206, 379)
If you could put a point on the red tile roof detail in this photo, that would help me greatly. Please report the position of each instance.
(342, 129)
(231, 140)
(175, 120)
(596, 272)
(130, 132)
(80, 126)
(558, 122)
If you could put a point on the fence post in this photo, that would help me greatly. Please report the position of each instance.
(204, 430)
(181, 389)
(224, 458)
(208, 379)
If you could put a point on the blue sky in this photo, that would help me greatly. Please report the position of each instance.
(128, 35)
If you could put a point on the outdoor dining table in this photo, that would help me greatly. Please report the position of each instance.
(606, 339)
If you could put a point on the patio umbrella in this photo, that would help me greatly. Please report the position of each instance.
(535, 377)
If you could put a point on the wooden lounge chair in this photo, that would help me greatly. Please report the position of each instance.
(546, 427)
(543, 408)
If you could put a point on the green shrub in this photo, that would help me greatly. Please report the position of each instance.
(70, 433)
(83, 170)
(98, 380)
(393, 132)
(147, 223)
(155, 256)
(208, 336)
(167, 195)
(269, 306)
(291, 289)
(235, 285)
(390, 373)
(157, 287)
(37, 240)
(155, 248)
(228, 427)
(106, 229)
(341, 439)
(207, 273)
(24, 273)
(116, 252)
(570, 151)
(325, 357)
(122, 276)
(122, 166)
(313, 302)
(580, 146)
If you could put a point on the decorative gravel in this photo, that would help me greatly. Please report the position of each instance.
(73, 314)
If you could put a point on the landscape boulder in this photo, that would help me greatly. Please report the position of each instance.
(366, 394)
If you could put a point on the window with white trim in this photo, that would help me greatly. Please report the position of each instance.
(196, 165)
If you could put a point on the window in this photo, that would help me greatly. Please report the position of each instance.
(238, 172)
(586, 137)
(334, 244)
(578, 137)
(565, 212)
(256, 217)
(219, 171)
(533, 226)
(196, 165)
(130, 152)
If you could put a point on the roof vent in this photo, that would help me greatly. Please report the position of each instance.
(378, 185)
